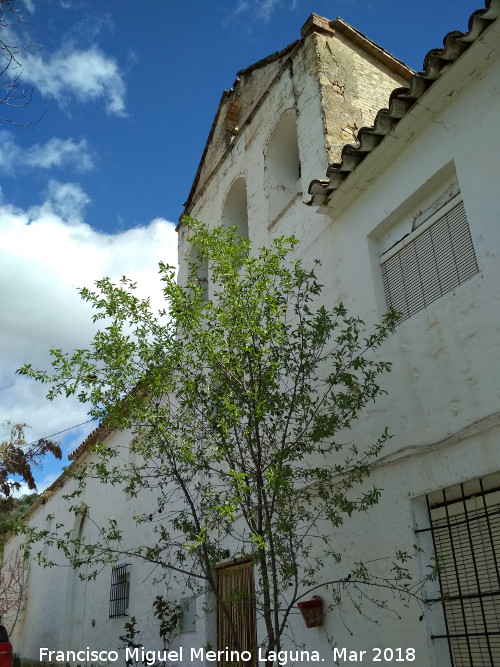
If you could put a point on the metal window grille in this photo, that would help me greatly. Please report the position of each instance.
(429, 264)
(119, 591)
(465, 525)
(237, 592)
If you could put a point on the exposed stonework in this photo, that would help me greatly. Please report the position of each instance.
(353, 76)
(354, 83)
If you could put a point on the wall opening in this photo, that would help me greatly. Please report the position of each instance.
(283, 165)
(235, 211)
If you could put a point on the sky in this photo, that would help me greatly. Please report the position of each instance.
(94, 173)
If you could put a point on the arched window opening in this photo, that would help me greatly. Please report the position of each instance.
(235, 211)
(283, 165)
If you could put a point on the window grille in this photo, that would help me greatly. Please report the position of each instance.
(465, 526)
(119, 592)
(237, 592)
(431, 262)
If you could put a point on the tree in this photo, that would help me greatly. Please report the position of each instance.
(14, 573)
(17, 458)
(12, 94)
(239, 401)
(11, 516)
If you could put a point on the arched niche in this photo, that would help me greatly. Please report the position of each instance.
(235, 211)
(282, 164)
(76, 590)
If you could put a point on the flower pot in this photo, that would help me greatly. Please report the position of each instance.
(312, 611)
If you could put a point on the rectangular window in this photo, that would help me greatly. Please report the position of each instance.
(119, 591)
(431, 261)
(465, 527)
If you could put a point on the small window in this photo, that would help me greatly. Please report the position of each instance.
(119, 591)
(429, 262)
(464, 521)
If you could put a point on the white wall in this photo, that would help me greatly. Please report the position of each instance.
(64, 613)
(442, 402)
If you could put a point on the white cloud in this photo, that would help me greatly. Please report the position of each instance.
(41, 485)
(261, 9)
(53, 153)
(30, 5)
(22, 491)
(46, 481)
(66, 200)
(88, 75)
(45, 253)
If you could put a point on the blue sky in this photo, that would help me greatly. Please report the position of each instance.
(96, 186)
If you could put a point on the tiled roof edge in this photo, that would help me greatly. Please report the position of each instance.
(98, 434)
(401, 100)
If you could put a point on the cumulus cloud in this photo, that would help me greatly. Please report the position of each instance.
(65, 200)
(86, 74)
(54, 153)
(45, 253)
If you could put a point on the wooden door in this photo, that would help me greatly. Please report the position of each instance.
(237, 593)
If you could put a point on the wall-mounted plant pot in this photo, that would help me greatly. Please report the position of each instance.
(312, 611)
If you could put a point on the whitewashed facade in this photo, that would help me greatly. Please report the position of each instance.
(409, 218)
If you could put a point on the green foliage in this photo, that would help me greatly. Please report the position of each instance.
(131, 638)
(239, 400)
(169, 615)
(11, 516)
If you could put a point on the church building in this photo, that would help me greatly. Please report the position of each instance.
(390, 178)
